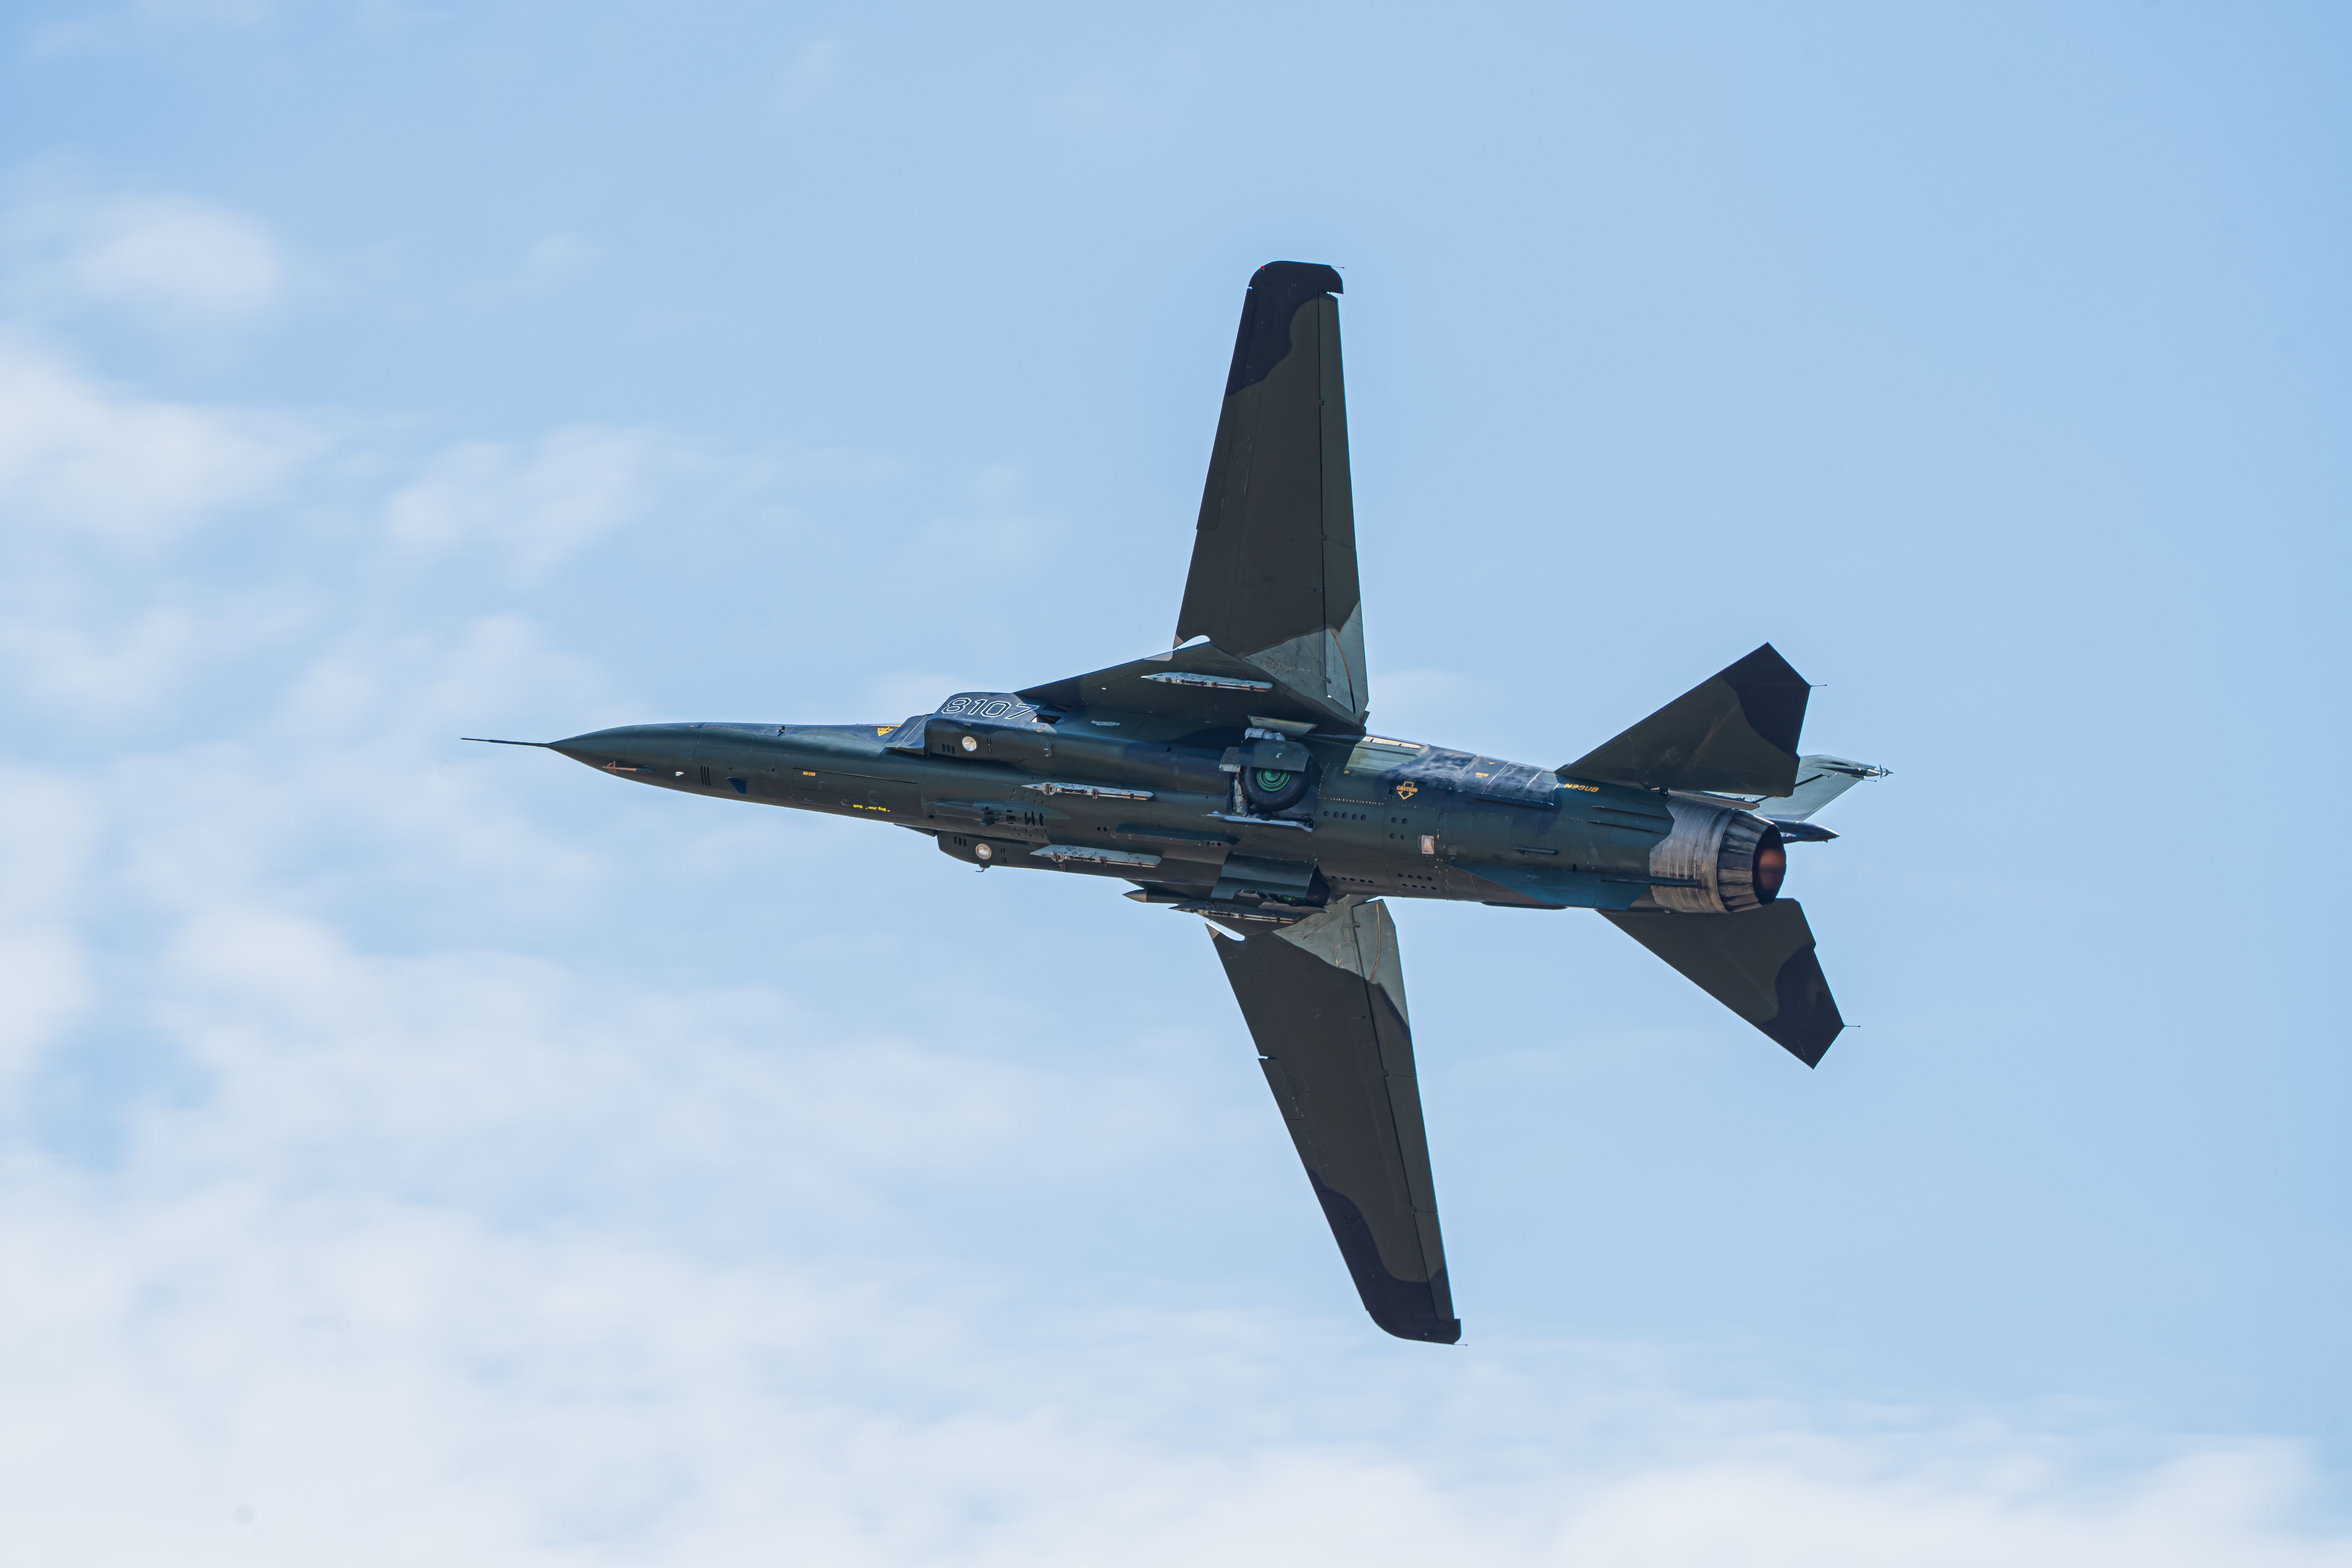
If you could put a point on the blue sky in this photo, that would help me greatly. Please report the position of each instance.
(416, 1149)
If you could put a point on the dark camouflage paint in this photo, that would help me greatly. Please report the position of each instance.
(1273, 554)
(1337, 1054)
(1142, 773)
(1760, 965)
(1735, 733)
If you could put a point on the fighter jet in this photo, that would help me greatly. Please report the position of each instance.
(1233, 777)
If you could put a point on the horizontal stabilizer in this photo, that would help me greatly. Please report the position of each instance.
(1820, 780)
(1759, 962)
(1734, 733)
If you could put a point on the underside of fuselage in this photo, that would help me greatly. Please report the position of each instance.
(1184, 812)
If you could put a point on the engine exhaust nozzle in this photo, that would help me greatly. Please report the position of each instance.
(1717, 860)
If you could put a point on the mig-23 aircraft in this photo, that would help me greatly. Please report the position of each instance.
(1232, 777)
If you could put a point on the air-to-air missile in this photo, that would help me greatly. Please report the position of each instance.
(1232, 777)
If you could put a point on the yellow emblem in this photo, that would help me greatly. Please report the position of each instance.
(1407, 790)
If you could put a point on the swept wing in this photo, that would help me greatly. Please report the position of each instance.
(1274, 557)
(1325, 1001)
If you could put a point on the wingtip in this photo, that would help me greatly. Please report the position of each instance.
(1431, 1331)
(1276, 291)
(1308, 277)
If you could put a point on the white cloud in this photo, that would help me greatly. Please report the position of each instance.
(170, 259)
(65, 650)
(534, 506)
(47, 832)
(380, 1376)
(90, 475)
(80, 459)
(177, 256)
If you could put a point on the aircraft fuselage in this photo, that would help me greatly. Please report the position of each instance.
(1165, 804)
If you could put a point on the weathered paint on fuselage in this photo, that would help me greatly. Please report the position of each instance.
(1382, 817)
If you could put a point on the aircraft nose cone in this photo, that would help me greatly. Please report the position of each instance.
(630, 748)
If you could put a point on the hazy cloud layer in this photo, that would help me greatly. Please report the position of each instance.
(519, 1263)
(517, 1257)
(80, 458)
(532, 507)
